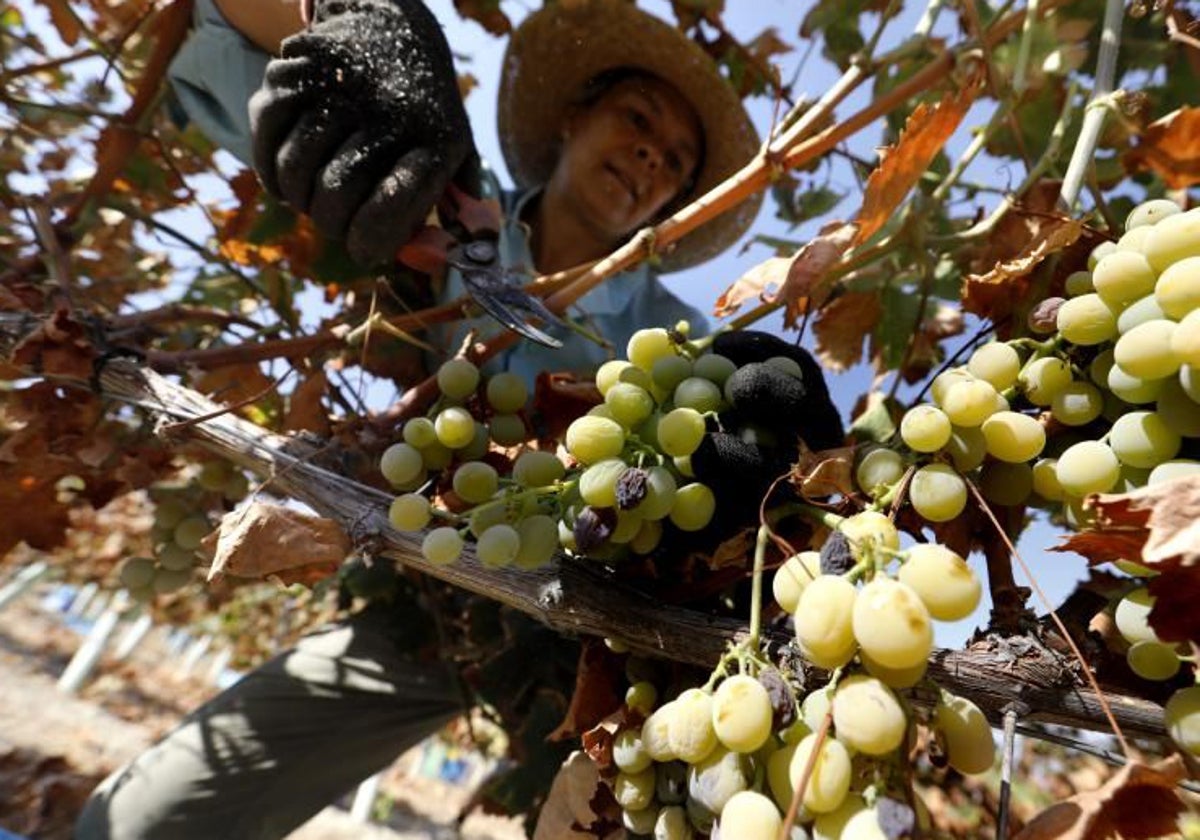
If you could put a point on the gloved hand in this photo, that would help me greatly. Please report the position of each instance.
(359, 122)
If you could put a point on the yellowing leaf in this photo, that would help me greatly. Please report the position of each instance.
(761, 282)
(1170, 147)
(902, 165)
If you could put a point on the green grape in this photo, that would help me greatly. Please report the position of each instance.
(1174, 239)
(1100, 252)
(237, 487)
(1076, 405)
(409, 512)
(1100, 366)
(538, 541)
(1178, 288)
(742, 714)
(879, 470)
(646, 346)
(1182, 718)
(475, 482)
(137, 572)
(1139, 312)
(1178, 411)
(437, 456)
(1132, 616)
(442, 546)
(1132, 389)
(683, 465)
(925, 428)
(1151, 212)
(1017, 438)
(401, 463)
(1042, 378)
(942, 580)
(479, 446)
(419, 432)
(1078, 283)
(892, 624)
(751, 816)
(641, 697)
(170, 512)
(693, 507)
(598, 484)
(498, 546)
(824, 616)
(455, 427)
(609, 374)
(641, 821)
(191, 532)
(1132, 478)
(1172, 470)
(967, 448)
(969, 403)
(213, 474)
(175, 558)
(634, 791)
(1122, 277)
(1087, 467)
(942, 382)
(690, 726)
(969, 744)
(714, 367)
(630, 405)
(1145, 351)
(864, 825)
(1134, 240)
(937, 492)
(656, 733)
(1045, 480)
(699, 818)
(167, 581)
(507, 429)
(1190, 381)
(507, 393)
(647, 538)
(718, 776)
(629, 525)
(832, 826)
(1185, 341)
(779, 779)
(1006, 484)
(816, 706)
(592, 439)
(829, 781)
(1087, 320)
(680, 432)
(894, 677)
(996, 363)
(534, 468)
(1153, 661)
(870, 527)
(795, 574)
(669, 371)
(458, 378)
(699, 394)
(867, 716)
(673, 823)
(1143, 439)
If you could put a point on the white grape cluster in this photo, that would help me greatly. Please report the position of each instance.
(1127, 353)
(181, 523)
(623, 472)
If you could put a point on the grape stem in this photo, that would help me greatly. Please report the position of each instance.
(1103, 99)
(760, 553)
(822, 733)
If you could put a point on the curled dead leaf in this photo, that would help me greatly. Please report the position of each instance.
(843, 327)
(260, 540)
(58, 346)
(596, 696)
(1170, 147)
(992, 294)
(568, 810)
(821, 474)
(1169, 512)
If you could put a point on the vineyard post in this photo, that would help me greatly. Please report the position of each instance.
(84, 662)
(21, 582)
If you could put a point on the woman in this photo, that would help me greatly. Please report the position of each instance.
(637, 121)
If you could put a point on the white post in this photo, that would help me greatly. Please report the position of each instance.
(195, 653)
(219, 664)
(97, 607)
(177, 640)
(81, 600)
(364, 800)
(21, 582)
(133, 636)
(84, 661)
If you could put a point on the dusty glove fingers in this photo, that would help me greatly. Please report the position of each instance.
(739, 473)
(744, 347)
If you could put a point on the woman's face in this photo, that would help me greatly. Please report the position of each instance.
(629, 154)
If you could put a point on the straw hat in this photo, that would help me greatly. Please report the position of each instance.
(558, 49)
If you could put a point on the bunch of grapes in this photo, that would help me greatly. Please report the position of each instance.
(622, 478)
(181, 522)
(1107, 403)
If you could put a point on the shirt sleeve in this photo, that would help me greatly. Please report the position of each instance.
(213, 75)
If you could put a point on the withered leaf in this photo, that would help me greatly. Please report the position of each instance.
(843, 326)
(260, 540)
(762, 282)
(568, 805)
(1170, 513)
(597, 680)
(59, 346)
(1138, 802)
(305, 409)
(828, 473)
(902, 165)
(1170, 147)
(989, 294)
(426, 251)
(1173, 616)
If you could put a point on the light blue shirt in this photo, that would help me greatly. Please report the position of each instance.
(214, 75)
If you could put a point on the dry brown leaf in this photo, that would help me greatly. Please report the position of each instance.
(759, 283)
(902, 165)
(843, 326)
(260, 540)
(1138, 802)
(821, 474)
(1170, 513)
(732, 551)
(305, 409)
(568, 809)
(924, 354)
(991, 294)
(1170, 147)
(64, 20)
(58, 346)
(233, 383)
(1105, 546)
(595, 697)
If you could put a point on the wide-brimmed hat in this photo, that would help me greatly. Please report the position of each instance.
(557, 50)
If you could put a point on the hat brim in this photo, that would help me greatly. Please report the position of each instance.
(557, 50)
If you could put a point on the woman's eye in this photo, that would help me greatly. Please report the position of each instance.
(638, 119)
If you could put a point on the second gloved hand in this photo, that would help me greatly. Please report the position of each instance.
(359, 122)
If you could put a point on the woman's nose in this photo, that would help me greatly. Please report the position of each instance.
(649, 154)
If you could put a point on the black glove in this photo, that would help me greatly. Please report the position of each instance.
(360, 123)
